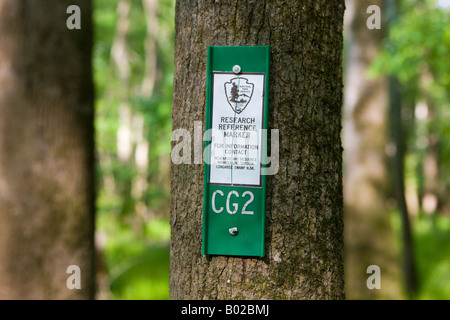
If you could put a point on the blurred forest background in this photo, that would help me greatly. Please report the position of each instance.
(133, 62)
(407, 66)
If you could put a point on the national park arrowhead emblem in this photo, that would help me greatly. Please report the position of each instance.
(239, 92)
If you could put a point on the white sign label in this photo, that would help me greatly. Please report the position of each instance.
(237, 120)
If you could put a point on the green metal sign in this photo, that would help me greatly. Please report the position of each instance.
(235, 150)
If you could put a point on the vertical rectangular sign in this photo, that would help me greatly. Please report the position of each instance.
(235, 150)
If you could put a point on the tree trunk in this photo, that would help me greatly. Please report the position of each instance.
(304, 227)
(151, 62)
(47, 151)
(398, 167)
(398, 136)
(433, 186)
(368, 234)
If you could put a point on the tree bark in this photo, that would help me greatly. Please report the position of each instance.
(368, 234)
(304, 227)
(47, 150)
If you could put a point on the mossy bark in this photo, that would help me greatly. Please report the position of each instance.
(304, 223)
(47, 150)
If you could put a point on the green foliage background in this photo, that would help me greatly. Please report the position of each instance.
(134, 251)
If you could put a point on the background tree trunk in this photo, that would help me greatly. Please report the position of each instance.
(304, 240)
(398, 172)
(47, 150)
(398, 137)
(151, 61)
(368, 234)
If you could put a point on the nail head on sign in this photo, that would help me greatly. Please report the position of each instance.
(233, 231)
(237, 69)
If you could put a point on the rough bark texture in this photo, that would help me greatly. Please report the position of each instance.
(304, 227)
(368, 234)
(46, 143)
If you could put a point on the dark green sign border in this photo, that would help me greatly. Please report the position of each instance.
(251, 59)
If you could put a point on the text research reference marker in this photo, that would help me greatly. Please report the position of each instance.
(235, 150)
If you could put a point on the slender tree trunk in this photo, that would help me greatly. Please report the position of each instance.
(398, 137)
(304, 240)
(147, 87)
(399, 186)
(125, 134)
(47, 150)
(148, 84)
(432, 189)
(368, 234)
(120, 57)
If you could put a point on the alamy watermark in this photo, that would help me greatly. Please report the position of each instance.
(374, 21)
(374, 280)
(74, 280)
(74, 21)
(184, 153)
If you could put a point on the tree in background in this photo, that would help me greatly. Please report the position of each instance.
(368, 234)
(134, 73)
(415, 56)
(304, 248)
(134, 70)
(397, 155)
(47, 151)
